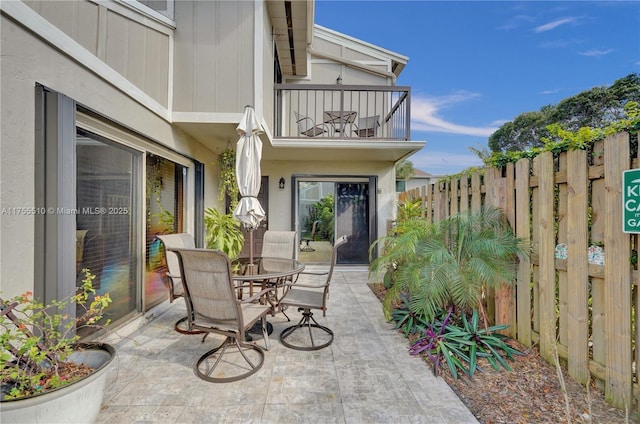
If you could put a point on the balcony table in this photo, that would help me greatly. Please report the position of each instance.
(339, 119)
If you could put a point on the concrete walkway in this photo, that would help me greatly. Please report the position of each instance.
(365, 376)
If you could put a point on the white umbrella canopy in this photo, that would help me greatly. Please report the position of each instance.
(248, 155)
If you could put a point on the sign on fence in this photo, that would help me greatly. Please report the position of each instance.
(631, 201)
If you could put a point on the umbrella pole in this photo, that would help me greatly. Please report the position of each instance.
(251, 271)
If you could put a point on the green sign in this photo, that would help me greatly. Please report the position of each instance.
(631, 201)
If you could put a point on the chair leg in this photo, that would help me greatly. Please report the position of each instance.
(229, 372)
(265, 333)
(182, 327)
(307, 248)
(309, 322)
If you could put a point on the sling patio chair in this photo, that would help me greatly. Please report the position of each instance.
(306, 297)
(173, 274)
(278, 244)
(368, 126)
(307, 126)
(213, 307)
(309, 237)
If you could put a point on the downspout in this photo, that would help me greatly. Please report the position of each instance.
(356, 65)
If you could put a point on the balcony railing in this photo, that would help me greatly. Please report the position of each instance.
(342, 111)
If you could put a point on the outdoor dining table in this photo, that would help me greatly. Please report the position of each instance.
(339, 119)
(265, 270)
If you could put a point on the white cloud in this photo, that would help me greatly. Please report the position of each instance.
(554, 24)
(596, 52)
(424, 115)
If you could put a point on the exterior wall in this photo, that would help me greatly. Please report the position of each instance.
(136, 47)
(28, 60)
(280, 200)
(419, 182)
(214, 56)
(325, 71)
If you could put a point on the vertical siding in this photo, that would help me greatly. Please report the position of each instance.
(125, 42)
(214, 59)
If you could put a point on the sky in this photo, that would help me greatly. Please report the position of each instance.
(474, 65)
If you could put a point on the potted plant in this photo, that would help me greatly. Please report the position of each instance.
(47, 374)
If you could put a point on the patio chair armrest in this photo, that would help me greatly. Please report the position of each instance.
(307, 286)
(315, 273)
(257, 296)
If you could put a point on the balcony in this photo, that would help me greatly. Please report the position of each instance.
(350, 112)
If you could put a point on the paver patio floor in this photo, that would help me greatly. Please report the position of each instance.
(365, 376)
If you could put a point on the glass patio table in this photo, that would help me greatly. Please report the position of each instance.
(265, 271)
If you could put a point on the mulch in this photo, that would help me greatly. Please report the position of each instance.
(531, 393)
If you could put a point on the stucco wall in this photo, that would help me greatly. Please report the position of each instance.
(280, 200)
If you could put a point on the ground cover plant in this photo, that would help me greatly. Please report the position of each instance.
(530, 393)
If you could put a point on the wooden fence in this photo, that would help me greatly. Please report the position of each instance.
(566, 299)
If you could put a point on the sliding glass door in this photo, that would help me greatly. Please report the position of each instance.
(105, 220)
(331, 207)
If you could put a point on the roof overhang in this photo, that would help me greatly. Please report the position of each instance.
(292, 22)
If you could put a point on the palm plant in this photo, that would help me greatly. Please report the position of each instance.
(449, 263)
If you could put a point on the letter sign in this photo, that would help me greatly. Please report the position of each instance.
(631, 201)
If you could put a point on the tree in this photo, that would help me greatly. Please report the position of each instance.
(404, 170)
(594, 108)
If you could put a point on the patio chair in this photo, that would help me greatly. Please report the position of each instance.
(308, 127)
(173, 274)
(213, 307)
(309, 238)
(368, 126)
(278, 244)
(307, 297)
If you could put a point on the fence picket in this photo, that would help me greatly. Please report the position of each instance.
(579, 204)
(577, 267)
(617, 273)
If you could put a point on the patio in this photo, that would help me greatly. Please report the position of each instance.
(365, 376)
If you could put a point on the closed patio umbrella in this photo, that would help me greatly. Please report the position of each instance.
(248, 155)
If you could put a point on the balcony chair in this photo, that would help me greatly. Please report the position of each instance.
(309, 238)
(213, 307)
(307, 297)
(173, 274)
(368, 126)
(308, 127)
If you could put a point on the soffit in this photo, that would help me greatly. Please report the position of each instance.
(218, 136)
(292, 23)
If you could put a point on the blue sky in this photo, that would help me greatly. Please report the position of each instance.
(474, 65)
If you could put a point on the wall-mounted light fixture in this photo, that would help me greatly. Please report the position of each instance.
(281, 183)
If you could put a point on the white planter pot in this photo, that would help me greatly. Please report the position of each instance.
(78, 402)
